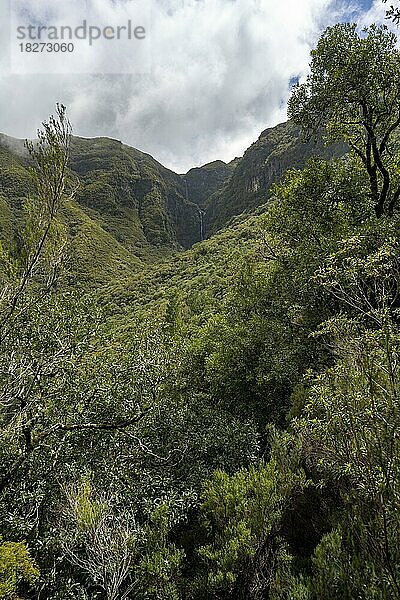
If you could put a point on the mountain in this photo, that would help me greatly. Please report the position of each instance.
(134, 197)
(202, 182)
(129, 210)
(277, 149)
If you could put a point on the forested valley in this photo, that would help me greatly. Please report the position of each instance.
(200, 373)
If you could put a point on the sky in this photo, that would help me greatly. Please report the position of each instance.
(214, 73)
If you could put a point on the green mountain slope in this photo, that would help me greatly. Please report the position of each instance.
(203, 271)
(129, 210)
(264, 163)
(202, 182)
(134, 197)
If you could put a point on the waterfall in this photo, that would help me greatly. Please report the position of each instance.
(200, 211)
(187, 191)
(201, 215)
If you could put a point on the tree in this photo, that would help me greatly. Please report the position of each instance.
(349, 432)
(101, 545)
(353, 91)
(39, 259)
(15, 565)
(393, 13)
(242, 515)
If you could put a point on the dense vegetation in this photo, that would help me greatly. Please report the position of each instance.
(224, 422)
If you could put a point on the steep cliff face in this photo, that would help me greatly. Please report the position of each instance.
(128, 209)
(264, 163)
(133, 194)
(202, 182)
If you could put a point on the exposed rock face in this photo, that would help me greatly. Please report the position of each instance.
(202, 182)
(264, 163)
(128, 208)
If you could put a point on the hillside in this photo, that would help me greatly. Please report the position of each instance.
(202, 182)
(135, 198)
(203, 272)
(277, 149)
(129, 210)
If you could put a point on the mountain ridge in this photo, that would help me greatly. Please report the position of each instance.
(129, 209)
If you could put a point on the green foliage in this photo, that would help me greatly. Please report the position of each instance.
(16, 565)
(363, 273)
(160, 567)
(105, 542)
(344, 94)
(242, 515)
(222, 423)
(348, 430)
(352, 417)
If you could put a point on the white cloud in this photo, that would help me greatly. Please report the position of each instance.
(220, 74)
(376, 14)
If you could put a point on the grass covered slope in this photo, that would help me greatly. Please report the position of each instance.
(201, 274)
(126, 209)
